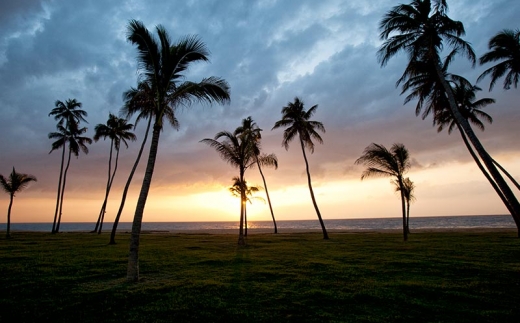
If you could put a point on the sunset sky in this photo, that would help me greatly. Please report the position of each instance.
(270, 52)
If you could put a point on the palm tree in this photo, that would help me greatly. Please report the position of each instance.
(238, 152)
(139, 101)
(249, 191)
(408, 188)
(504, 47)
(68, 114)
(250, 130)
(383, 162)
(16, 182)
(76, 142)
(296, 121)
(118, 130)
(421, 29)
(163, 65)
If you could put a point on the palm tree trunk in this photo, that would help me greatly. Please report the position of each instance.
(408, 217)
(267, 194)
(241, 240)
(403, 208)
(325, 235)
(132, 273)
(483, 170)
(511, 178)
(63, 193)
(127, 186)
(108, 192)
(59, 190)
(488, 162)
(103, 206)
(8, 227)
(245, 218)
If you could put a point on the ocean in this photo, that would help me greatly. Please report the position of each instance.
(437, 222)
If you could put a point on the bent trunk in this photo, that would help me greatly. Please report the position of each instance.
(325, 235)
(107, 189)
(8, 228)
(132, 273)
(241, 240)
(63, 193)
(267, 194)
(108, 192)
(488, 162)
(59, 191)
(511, 178)
(127, 186)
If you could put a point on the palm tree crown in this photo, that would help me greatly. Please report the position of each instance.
(68, 113)
(16, 182)
(117, 129)
(503, 47)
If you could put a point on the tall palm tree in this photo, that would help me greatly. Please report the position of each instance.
(117, 130)
(237, 151)
(76, 142)
(162, 65)
(383, 162)
(504, 47)
(16, 182)
(250, 130)
(408, 190)
(249, 191)
(139, 101)
(421, 29)
(296, 121)
(68, 114)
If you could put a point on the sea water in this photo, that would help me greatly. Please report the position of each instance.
(437, 222)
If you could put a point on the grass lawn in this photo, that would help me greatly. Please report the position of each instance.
(369, 277)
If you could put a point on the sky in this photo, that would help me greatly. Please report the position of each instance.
(269, 51)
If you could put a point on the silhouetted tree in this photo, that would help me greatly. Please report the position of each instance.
(249, 191)
(238, 152)
(68, 115)
(503, 47)
(16, 182)
(421, 29)
(296, 121)
(118, 130)
(250, 130)
(408, 189)
(163, 65)
(383, 162)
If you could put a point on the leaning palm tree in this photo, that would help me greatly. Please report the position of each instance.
(249, 191)
(249, 129)
(68, 114)
(16, 182)
(162, 65)
(422, 29)
(238, 152)
(296, 121)
(76, 142)
(117, 130)
(139, 101)
(503, 47)
(383, 162)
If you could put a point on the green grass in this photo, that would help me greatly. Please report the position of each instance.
(434, 277)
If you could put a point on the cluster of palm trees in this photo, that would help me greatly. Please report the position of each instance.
(424, 31)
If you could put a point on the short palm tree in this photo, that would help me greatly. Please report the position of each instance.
(238, 152)
(163, 65)
(76, 142)
(68, 114)
(117, 130)
(249, 191)
(298, 124)
(249, 129)
(503, 47)
(422, 29)
(383, 162)
(408, 190)
(16, 182)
